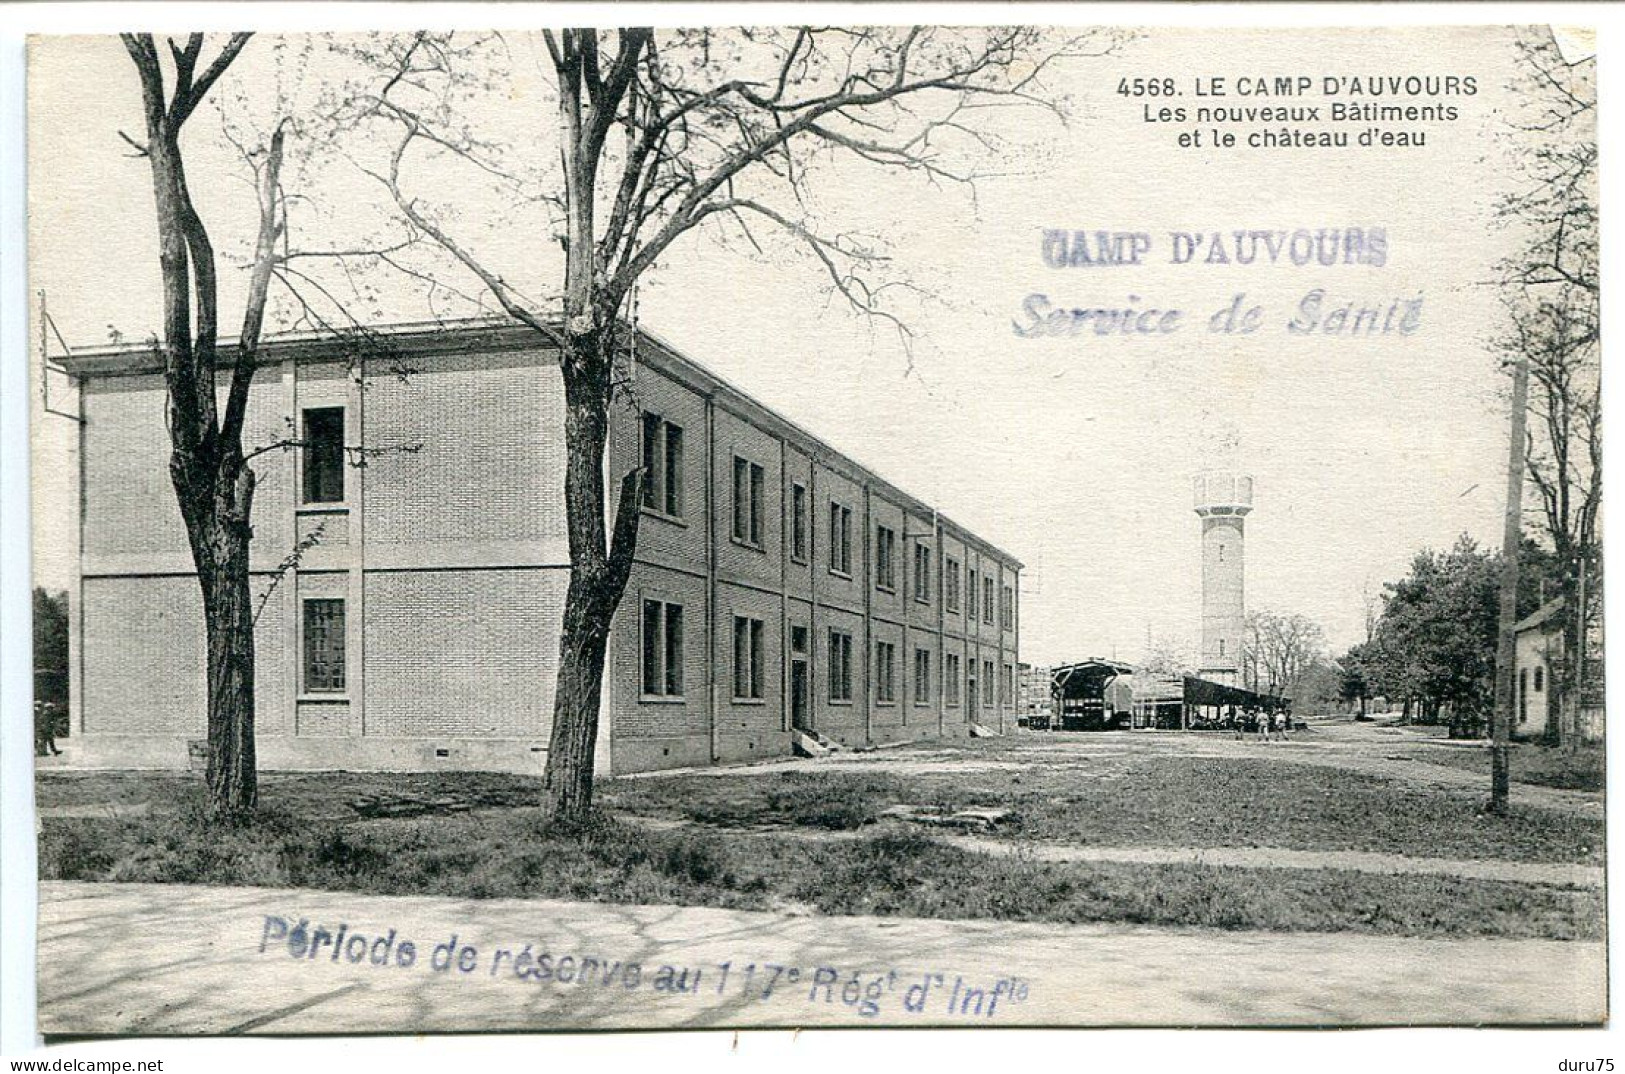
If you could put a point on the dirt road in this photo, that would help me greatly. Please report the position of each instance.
(150, 959)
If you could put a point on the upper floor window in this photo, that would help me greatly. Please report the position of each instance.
(1540, 679)
(798, 523)
(971, 595)
(922, 572)
(840, 539)
(885, 558)
(662, 649)
(987, 599)
(1007, 609)
(324, 454)
(950, 584)
(662, 466)
(324, 646)
(748, 480)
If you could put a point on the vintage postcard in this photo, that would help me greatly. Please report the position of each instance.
(816, 526)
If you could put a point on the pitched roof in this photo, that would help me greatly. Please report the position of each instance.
(1539, 616)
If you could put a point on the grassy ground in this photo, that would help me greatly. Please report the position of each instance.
(1540, 765)
(1130, 800)
(504, 853)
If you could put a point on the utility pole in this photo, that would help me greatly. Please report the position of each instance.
(1507, 649)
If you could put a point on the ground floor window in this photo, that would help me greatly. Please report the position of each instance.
(922, 676)
(662, 649)
(840, 666)
(885, 672)
(987, 683)
(747, 658)
(950, 678)
(324, 646)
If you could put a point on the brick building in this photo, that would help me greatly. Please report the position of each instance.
(778, 583)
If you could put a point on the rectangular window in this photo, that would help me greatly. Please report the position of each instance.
(662, 466)
(1009, 685)
(798, 523)
(950, 678)
(747, 658)
(987, 683)
(922, 572)
(1007, 609)
(673, 492)
(922, 676)
(840, 665)
(950, 584)
(971, 596)
(987, 599)
(748, 481)
(662, 649)
(885, 560)
(324, 454)
(885, 672)
(840, 539)
(324, 646)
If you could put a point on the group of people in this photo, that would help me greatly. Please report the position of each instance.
(1267, 725)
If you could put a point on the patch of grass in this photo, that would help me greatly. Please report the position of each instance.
(890, 873)
(823, 800)
(1164, 801)
(1584, 770)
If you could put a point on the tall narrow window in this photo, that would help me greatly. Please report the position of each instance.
(885, 565)
(950, 678)
(840, 665)
(798, 522)
(1007, 609)
(922, 676)
(885, 672)
(950, 584)
(653, 450)
(662, 466)
(324, 454)
(922, 572)
(748, 485)
(971, 595)
(673, 498)
(747, 658)
(840, 539)
(324, 646)
(987, 683)
(662, 649)
(987, 599)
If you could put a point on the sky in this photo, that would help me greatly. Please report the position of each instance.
(1075, 452)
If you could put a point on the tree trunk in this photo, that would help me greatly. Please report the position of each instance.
(216, 504)
(233, 788)
(598, 575)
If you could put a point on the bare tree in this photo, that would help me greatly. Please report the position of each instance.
(207, 465)
(1280, 649)
(1551, 292)
(659, 134)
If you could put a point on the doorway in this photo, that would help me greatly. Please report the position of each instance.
(800, 716)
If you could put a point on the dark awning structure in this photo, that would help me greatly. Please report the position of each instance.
(1207, 692)
(1082, 696)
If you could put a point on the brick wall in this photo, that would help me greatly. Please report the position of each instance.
(462, 653)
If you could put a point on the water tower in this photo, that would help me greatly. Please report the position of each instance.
(1223, 499)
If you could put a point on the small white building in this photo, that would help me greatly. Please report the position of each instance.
(1539, 651)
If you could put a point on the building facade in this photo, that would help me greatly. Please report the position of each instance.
(410, 561)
